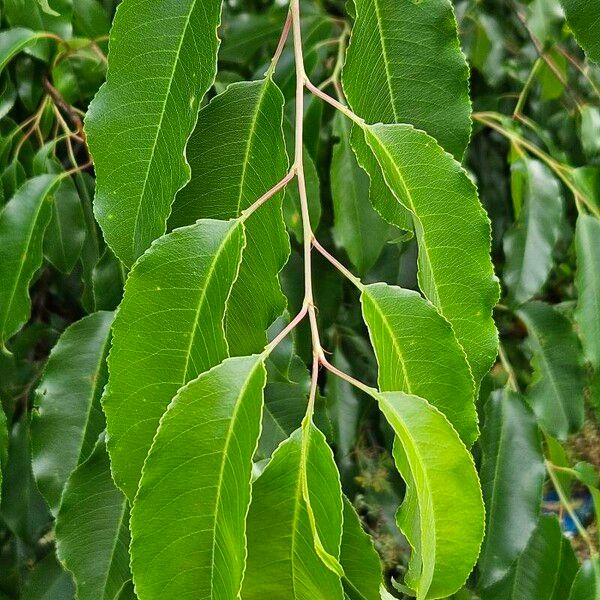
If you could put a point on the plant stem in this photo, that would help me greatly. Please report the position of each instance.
(281, 45)
(512, 378)
(286, 330)
(525, 91)
(337, 264)
(276, 188)
(311, 87)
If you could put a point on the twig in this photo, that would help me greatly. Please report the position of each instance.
(276, 188)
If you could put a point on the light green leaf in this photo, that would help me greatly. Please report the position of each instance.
(188, 519)
(359, 559)
(530, 243)
(69, 417)
(92, 535)
(405, 65)
(512, 495)
(453, 233)
(556, 392)
(583, 17)
(45, 6)
(282, 559)
(168, 330)
(13, 41)
(587, 244)
(237, 154)
(65, 235)
(417, 353)
(442, 515)
(162, 61)
(357, 228)
(22, 224)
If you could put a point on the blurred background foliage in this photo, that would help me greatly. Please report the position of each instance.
(535, 155)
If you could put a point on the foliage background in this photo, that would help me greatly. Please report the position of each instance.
(531, 87)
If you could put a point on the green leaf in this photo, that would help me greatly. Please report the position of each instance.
(442, 515)
(453, 233)
(556, 392)
(22, 224)
(530, 243)
(404, 65)
(587, 582)
(65, 235)
(589, 131)
(587, 244)
(92, 535)
(583, 17)
(512, 495)
(108, 279)
(282, 558)
(13, 41)
(69, 416)
(237, 154)
(417, 353)
(358, 557)
(3, 445)
(358, 229)
(90, 19)
(188, 519)
(139, 122)
(168, 330)
(49, 581)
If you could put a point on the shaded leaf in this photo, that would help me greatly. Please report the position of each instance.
(69, 416)
(530, 243)
(139, 122)
(49, 581)
(237, 154)
(92, 534)
(512, 495)
(188, 519)
(13, 41)
(168, 330)
(556, 392)
(22, 224)
(418, 354)
(404, 65)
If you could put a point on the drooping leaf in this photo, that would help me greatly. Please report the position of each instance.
(139, 122)
(404, 65)
(237, 154)
(92, 534)
(69, 417)
(512, 495)
(358, 229)
(556, 392)
(453, 233)
(188, 519)
(282, 559)
(529, 245)
(13, 41)
(22, 224)
(442, 515)
(358, 557)
(587, 243)
(583, 17)
(168, 330)
(65, 234)
(417, 353)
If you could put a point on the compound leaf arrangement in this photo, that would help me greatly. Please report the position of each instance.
(283, 271)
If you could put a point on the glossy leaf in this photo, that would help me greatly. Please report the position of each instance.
(512, 495)
(442, 515)
(237, 153)
(556, 392)
(587, 243)
(22, 224)
(282, 559)
(453, 233)
(530, 244)
(168, 330)
(583, 17)
(358, 229)
(418, 354)
(69, 417)
(358, 557)
(188, 520)
(13, 41)
(139, 123)
(404, 65)
(92, 535)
